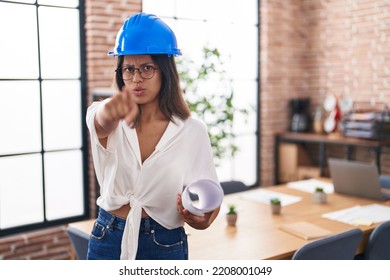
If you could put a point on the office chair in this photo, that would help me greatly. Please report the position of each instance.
(341, 246)
(378, 245)
(79, 241)
(228, 187)
(384, 181)
(233, 187)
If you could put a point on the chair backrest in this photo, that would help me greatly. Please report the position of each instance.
(228, 187)
(341, 246)
(79, 241)
(233, 187)
(378, 245)
(384, 181)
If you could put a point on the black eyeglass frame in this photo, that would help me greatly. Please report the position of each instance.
(120, 71)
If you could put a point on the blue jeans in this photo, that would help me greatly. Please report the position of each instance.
(155, 241)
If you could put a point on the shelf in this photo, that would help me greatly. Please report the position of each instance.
(323, 140)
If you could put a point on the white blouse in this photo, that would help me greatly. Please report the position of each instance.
(182, 156)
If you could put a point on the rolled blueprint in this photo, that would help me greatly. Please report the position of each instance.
(210, 196)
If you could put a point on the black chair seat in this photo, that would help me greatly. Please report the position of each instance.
(378, 245)
(233, 187)
(341, 246)
(79, 240)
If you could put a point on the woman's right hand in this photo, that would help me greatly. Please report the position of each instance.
(120, 106)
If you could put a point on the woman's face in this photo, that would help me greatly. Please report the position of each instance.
(143, 88)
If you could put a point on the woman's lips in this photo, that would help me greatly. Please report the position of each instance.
(138, 91)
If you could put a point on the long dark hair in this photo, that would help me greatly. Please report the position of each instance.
(171, 98)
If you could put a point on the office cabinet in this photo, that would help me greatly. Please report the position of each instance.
(291, 158)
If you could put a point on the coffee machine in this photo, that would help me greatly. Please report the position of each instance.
(300, 116)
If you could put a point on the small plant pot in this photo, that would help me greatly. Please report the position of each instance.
(276, 208)
(231, 219)
(319, 197)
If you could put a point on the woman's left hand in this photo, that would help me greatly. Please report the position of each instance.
(197, 222)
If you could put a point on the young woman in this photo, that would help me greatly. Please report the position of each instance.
(145, 149)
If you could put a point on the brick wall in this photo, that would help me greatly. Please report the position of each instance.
(308, 48)
(283, 38)
(45, 244)
(311, 48)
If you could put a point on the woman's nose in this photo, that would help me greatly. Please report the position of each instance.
(137, 76)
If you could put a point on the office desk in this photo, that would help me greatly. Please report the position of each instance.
(256, 235)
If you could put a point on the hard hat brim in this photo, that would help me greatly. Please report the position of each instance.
(177, 52)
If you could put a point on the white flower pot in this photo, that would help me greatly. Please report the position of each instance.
(319, 197)
(276, 208)
(231, 219)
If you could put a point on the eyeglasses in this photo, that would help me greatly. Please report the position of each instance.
(145, 71)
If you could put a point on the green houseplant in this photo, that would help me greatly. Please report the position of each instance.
(231, 216)
(209, 93)
(275, 201)
(276, 205)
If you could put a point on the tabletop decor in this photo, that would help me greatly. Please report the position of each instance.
(276, 205)
(231, 216)
(319, 196)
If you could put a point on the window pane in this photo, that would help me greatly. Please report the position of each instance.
(61, 103)
(243, 166)
(60, 43)
(225, 170)
(244, 52)
(192, 9)
(191, 47)
(161, 8)
(245, 97)
(250, 7)
(21, 196)
(62, 3)
(247, 12)
(218, 10)
(245, 159)
(240, 56)
(20, 119)
(64, 184)
(19, 44)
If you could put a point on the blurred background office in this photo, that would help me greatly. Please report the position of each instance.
(53, 64)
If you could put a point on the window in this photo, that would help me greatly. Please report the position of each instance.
(42, 144)
(232, 28)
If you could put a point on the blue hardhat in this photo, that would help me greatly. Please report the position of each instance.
(145, 34)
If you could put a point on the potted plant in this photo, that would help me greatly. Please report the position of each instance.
(319, 196)
(231, 216)
(276, 205)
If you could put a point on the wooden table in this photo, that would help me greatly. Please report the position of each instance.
(256, 235)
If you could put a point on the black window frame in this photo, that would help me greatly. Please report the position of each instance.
(84, 144)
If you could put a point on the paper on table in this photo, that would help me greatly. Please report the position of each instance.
(210, 196)
(310, 185)
(361, 215)
(265, 196)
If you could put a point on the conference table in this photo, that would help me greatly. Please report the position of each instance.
(257, 234)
